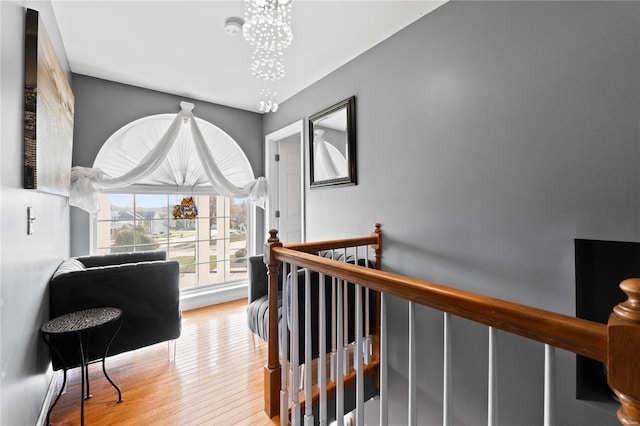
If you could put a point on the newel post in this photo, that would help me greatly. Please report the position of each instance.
(272, 368)
(377, 247)
(624, 353)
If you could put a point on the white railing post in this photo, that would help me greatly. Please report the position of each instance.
(284, 339)
(368, 348)
(549, 385)
(339, 355)
(412, 409)
(492, 391)
(358, 359)
(295, 350)
(345, 338)
(334, 341)
(446, 386)
(308, 356)
(384, 397)
(322, 356)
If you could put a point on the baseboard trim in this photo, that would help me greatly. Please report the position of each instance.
(49, 397)
(213, 296)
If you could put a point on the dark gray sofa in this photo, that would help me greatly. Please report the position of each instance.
(143, 284)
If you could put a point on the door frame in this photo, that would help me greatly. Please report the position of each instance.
(270, 141)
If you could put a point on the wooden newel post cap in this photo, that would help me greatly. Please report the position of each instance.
(273, 241)
(273, 236)
(623, 356)
(630, 309)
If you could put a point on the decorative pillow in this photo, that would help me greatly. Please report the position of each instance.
(69, 265)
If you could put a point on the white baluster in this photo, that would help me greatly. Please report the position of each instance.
(339, 355)
(492, 391)
(322, 345)
(284, 338)
(295, 350)
(412, 409)
(345, 338)
(367, 345)
(357, 356)
(446, 392)
(334, 342)
(384, 396)
(308, 370)
(368, 349)
(549, 385)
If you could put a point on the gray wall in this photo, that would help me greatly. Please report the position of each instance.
(490, 135)
(26, 261)
(103, 107)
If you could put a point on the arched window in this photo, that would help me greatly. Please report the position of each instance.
(150, 166)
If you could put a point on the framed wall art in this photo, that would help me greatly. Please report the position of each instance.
(332, 145)
(48, 113)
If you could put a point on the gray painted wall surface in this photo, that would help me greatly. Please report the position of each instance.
(26, 261)
(103, 107)
(490, 135)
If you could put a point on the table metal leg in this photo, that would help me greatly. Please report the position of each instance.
(104, 369)
(64, 378)
(83, 366)
(85, 342)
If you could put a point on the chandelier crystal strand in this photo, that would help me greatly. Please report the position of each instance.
(268, 101)
(267, 24)
(267, 28)
(267, 66)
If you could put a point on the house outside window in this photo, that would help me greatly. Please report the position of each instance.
(211, 249)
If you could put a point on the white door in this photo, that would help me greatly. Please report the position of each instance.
(288, 213)
(285, 173)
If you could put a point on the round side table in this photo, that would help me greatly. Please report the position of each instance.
(81, 323)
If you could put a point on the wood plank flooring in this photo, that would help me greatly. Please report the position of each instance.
(216, 378)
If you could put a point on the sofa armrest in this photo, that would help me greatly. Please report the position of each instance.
(119, 258)
(258, 279)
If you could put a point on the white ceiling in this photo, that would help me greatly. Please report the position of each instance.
(181, 47)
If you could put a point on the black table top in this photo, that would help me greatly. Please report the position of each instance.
(81, 320)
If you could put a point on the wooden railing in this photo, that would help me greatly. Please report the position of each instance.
(274, 255)
(616, 344)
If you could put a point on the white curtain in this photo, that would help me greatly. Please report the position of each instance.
(134, 158)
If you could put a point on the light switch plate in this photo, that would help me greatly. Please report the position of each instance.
(30, 219)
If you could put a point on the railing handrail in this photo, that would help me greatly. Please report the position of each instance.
(332, 244)
(577, 335)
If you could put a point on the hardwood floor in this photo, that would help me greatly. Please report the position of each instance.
(216, 378)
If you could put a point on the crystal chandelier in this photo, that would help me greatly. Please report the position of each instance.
(267, 27)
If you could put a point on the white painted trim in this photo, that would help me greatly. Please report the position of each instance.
(492, 385)
(252, 240)
(412, 408)
(49, 397)
(446, 386)
(297, 127)
(213, 295)
(384, 393)
(549, 385)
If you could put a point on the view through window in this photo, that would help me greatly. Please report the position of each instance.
(211, 249)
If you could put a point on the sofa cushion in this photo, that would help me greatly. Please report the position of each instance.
(69, 265)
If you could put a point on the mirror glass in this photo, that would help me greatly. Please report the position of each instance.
(332, 145)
